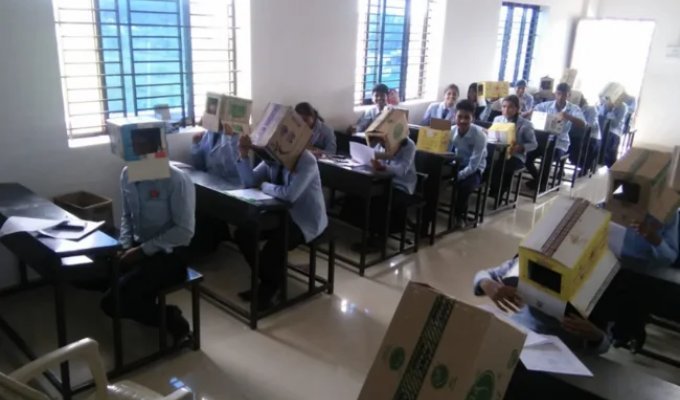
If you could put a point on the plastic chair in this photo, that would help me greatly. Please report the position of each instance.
(15, 385)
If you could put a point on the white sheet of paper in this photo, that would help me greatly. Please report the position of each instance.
(617, 233)
(26, 224)
(90, 227)
(249, 194)
(553, 356)
(361, 153)
(533, 338)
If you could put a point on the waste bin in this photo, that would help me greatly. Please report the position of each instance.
(88, 206)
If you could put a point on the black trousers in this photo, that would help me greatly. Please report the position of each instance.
(545, 174)
(353, 212)
(464, 189)
(140, 284)
(512, 165)
(272, 266)
(593, 152)
(210, 232)
(611, 151)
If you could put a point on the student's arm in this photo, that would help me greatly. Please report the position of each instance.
(298, 183)
(250, 177)
(495, 274)
(182, 209)
(528, 103)
(402, 161)
(618, 116)
(228, 152)
(364, 121)
(527, 137)
(575, 116)
(198, 154)
(427, 117)
(594, 340)
(484, 116)
(125, 237)
(329, 143)
(667, 251)
(476, 158)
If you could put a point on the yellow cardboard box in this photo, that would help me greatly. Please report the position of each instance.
(438, 347)
(565, 259)
(391, 126)
(436, 138)
(229, 109)
(492, 90)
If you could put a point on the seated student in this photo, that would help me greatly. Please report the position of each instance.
(380, 93)
(302, 189)
(402, 166)
(526, 142)
(567, 112)
(473, 98)
(393, 97)
(323, 137)
(614, 117)
(445, 109)
(216, 153)
(469, 144)
(157, 223)
(590, 117)
(526, 100)
(631, 103)
(494, 107)
(651, 242)
(500, 285)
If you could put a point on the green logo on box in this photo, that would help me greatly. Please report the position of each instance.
(238, 110)
(397, 358)
(483, 388)
(439, 377)
(513, 359)
(398, 131)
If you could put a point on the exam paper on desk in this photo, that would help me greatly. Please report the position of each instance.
(249, 194)
(26, 224)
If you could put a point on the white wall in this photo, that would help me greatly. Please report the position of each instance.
(661, 84)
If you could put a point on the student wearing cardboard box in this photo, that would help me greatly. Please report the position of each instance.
(380, 93)
(157, 224)
(323, 137)
(525, 142)
(613, 115)
(289, 173)
(590, 116)
(216, 153)
(469, 144)
(565, 114)
(445, 109)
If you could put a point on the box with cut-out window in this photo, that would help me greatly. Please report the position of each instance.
(141, 143)
(281, 135)
(565, 262)
(638, 186)
(391, 127)
(234, 111)
(492, 90)
(613, 92)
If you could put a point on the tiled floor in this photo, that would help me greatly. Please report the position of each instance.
(321, 349)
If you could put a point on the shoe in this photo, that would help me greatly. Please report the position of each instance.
(178, 326)
(246, 295)
(372, 246)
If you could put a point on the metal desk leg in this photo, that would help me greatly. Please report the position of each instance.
(284, 256)
(388, 216)
(117, 331)
(364, 231)
(62, 339)
(255, 280)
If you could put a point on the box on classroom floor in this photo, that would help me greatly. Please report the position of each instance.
(493, 90)
(141, 143)
(436, 138)
(544, 121)
(233, 110)
(281, 135)
(638, 185)
(391, 126)
(565, 260)
(437, 347)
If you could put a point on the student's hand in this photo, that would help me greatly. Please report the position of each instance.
(582, 328)
(318, 153)
(517, 149)
(228, 130)
(649, 229)
(244, 145)
(196, 139)
(132, 256)
(377, 165)
(505, 297)
(351, 130)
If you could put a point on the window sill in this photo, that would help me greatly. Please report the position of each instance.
(104, 139)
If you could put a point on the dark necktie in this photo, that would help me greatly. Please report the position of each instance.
(279, 176)
(216, 138)
(445, 113)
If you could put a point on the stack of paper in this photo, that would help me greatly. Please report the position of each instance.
(26, 224)
(250, 195)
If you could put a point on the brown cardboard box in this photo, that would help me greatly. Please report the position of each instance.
(391, 126)
(436, 138)
(437, 347)
(281, 135)
(636, 186)
(615, 92)
(674, 177)
(220, 107)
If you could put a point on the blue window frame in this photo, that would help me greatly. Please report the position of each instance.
(517, 33)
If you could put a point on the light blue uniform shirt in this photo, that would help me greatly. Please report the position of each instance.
(439, 110)
(526, 102)
(218, 159)
(665, 254)
(159, 214)
(535, 320)
(470, 150)
(323, 137)
(496, 106)
(302, 189)
(367, 118)
(590, 115)
(403, 166)
(616, 117)
(524, 130)
(550, 107)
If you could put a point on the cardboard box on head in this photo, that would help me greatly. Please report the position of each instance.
(569, 77)
(638, 185)
(547, 84)
(281, 135)
(492, 89)
(550, 123)
(614, 92)
(391, 127)
(436, 138)
(233, 110)
(674, 177)
(565, 261)
(141, 142)
(438, 347)
(575, 97)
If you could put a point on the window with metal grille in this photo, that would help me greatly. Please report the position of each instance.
(393, 47)
(516, 39)
(126, 57)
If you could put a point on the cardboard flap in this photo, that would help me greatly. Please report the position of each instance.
(674, 176)
(440, 124)
(591, 290)
(665, 205)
